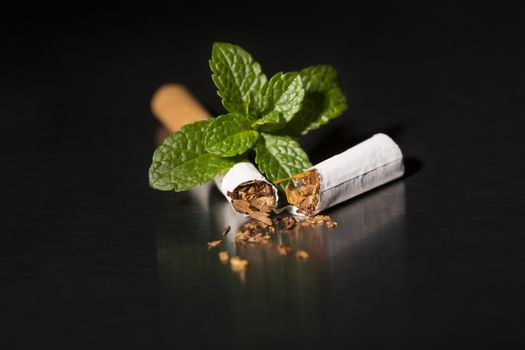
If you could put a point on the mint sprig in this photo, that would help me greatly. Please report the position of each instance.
(265, 118)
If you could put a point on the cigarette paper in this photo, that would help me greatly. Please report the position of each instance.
(361, 168)
(248, 191)
(238, 174)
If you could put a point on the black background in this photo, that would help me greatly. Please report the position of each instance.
(82, 237)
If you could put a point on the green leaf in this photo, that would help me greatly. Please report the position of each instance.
(270, 118)
(319, 78)
(280, 157)
(238, 78)
(283, 94)
(323, 100)
(229, 135)
(181, 162)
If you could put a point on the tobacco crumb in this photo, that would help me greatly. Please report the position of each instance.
(322, 218)
(284, 250)
(305, 196)
(263, 225)
(302, 255)
(224, 257)
(213, 244)
(289, 222)
(308, 221)
(331, 224)
(256, 239)
(238, 264)
(318, 219)
(254, 198)
(254, 231)
(327, 220)
(251, 225)
(226, 230)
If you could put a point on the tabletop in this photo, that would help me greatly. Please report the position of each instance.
(91, 256)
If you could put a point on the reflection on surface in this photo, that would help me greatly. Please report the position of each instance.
(284, 292)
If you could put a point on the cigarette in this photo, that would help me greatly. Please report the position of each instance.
(361, 168)
(174, 106)
(243, 185)
(248, 191)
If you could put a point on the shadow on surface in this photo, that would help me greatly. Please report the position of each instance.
(412, 166)
(338, 140)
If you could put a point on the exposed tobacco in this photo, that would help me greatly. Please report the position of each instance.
(254, 231)
(305, 196)
(254, 198)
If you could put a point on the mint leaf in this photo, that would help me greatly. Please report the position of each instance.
(283, 94)
(229, 135)
(237, 76)
(181, 162)
(319, 78)
(323, 100)
(280, 156)
(271, 118)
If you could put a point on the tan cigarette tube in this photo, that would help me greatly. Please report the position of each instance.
(174, 106)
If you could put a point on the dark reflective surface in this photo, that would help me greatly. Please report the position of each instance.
(90, 257)
(298, 298)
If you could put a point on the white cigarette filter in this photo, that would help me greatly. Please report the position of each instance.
(361, 168)
(248, 191)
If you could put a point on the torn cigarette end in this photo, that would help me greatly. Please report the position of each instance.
(254, 198)
(372, 163)
(305, 196)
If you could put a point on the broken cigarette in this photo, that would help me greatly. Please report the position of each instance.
(243, 185)
(248, 191)
(361, 168)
